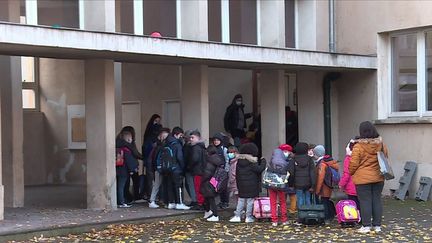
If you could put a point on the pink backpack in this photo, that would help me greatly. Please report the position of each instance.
(262, 209)
(347, 212)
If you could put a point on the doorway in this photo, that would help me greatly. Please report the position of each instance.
(171, 113)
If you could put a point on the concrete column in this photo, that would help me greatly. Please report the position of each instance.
(100, 126)
(97, 15)
(195, 98)
(272, 92)
(118, 96)
(31, 12)
(138, 13)
(312, 25)
(192, 20)
(271, 23)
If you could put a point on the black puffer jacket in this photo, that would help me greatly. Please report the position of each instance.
(231, 117)
(195, 158)
(212, 163)
(248, 175)
(303, 176)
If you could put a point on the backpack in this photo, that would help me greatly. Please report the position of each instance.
(220, 179)
(332, 177)
(119, 157)
(166, 162)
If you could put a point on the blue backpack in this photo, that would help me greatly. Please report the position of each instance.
(332, 177)
(166, 161)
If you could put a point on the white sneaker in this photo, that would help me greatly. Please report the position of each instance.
(124, 205)
(286, 223)
(235, 219)
(171, 206)
(213, 219)
(181, 207)
(364, 230)
(208, 214)
(153, 205)
(274, 224)
(377, 229)
(249, 220)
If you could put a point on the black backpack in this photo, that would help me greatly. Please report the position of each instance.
(166, 162)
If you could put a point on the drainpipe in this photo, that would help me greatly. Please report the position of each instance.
(328, 78)
(332, 42)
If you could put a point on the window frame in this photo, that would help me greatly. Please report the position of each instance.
(33, 86)
(421, 75)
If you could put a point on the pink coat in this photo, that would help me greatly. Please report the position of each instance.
(232, 183)
(346, 183)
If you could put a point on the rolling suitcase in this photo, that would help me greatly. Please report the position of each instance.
(261, 208)
(347, 212)
(311, 214)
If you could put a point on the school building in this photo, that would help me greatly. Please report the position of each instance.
(73, 72)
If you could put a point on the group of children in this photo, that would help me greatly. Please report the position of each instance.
(194, 166)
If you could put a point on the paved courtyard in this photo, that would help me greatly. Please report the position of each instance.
(408, 221)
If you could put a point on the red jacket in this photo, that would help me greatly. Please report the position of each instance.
(346, 183)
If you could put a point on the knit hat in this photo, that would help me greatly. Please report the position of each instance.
(286, 147)
(319, 151)
(249, 148)
(301, 149)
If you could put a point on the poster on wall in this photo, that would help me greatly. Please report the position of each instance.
(76, 127)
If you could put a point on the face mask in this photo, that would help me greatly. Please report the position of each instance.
(286, 154)
(239, 103)
(231, 155)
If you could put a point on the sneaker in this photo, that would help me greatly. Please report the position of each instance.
(249, 220)
(274, 224)
(208, 214)
(285, 223)
(124, 205)
(181, 207)
(213, 219)
(235, 219)
(171, 206)
(153, 205)
(377, 229)
(364, 230)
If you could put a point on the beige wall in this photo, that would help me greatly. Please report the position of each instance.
(224, 84)
(61, 84)
(358, 22)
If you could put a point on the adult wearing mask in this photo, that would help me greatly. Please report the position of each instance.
(366, 175)
(235, 119)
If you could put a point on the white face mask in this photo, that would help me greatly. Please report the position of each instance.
(286, 154)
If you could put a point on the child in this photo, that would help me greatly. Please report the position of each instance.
(279, 165)
(129, 166)
(218, 141)
(213, 161)
(303, 176)
(248, 178)
(323, 190)
(195, 164)
(232, 184)
(346, 183)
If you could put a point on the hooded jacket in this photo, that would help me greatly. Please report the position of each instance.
(278, 163)
(248, 175)
(212, 163)
(303, 175)
(232, 183)
(321, 188)
(364, 166)
(130, 162)
(177, 149)
(346, 182)
(195, 159)
(231, 117)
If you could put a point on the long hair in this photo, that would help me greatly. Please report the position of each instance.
(368, 130)
(127, 129)
(148, 133)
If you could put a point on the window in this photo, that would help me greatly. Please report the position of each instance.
(411, 74)
(30, 85)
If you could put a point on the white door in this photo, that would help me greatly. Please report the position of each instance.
(171, 114)
(131, 116)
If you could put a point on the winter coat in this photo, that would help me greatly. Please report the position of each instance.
(302, 170)
(278, 163)
(231, 117)
(196, 159)
(131, 146)
(346, 182)
(321, 188)
(130, 162)
(232, 182)
(364, 166)
(177, 149)
(248, 175)
(212, 163)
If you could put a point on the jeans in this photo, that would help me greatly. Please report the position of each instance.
(303, 197)
(274, 195)
(371, 210)
(210, 204)
(241, 204)
(136, 187)
(190, 187)
(156, 185)
(121, 184)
